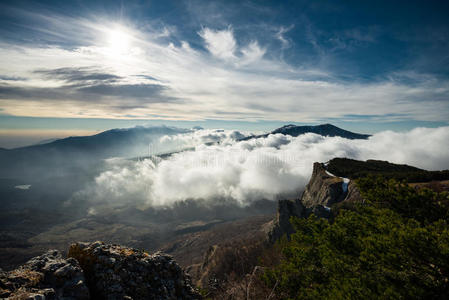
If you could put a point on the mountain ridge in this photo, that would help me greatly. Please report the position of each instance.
(132, 133)
(322, 129)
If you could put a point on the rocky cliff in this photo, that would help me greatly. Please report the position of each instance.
(98, 271)
(323, 188)
(281, 224)
(323, 191)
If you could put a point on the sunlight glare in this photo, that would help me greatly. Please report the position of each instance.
(118, 41)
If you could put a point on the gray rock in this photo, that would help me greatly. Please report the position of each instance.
(353, 193)
(323, 188)
(281, 224)
(140, 276)
(49, 276)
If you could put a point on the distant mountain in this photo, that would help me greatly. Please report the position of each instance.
(324, 130)
(47, 141)
(107, 143)
(65, 155)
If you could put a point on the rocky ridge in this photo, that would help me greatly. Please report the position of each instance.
(98, 271)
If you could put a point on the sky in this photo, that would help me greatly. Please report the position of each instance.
(80, 67)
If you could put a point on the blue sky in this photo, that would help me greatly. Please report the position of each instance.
(78, 67)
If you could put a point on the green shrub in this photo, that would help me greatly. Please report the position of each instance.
(393, 246)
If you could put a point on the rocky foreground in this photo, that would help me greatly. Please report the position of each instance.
(98, 271)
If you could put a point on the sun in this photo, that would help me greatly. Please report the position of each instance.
(118, 41)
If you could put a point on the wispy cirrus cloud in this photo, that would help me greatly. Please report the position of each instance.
(280, 35)
(112, 69)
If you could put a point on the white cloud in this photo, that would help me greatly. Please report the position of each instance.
(280, 35)
(253, 52)
(170, 143)
(221, 43)
(266, 168)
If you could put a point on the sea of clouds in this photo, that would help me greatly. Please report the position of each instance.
(217, 167)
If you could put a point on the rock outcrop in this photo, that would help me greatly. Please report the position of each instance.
(323, 188)
(98, 271)
(353, 194)
(116, 272)
(281, 224)
(321, 193)
(49, 276)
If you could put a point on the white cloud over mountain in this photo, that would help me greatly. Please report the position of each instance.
(265, 168)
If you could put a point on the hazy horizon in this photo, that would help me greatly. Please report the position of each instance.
(21, 137)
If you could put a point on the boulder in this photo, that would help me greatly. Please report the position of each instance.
(117, 272)
(49, 276)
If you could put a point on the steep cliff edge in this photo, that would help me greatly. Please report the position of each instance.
(322, 192)
(281, 224)
(323, 188)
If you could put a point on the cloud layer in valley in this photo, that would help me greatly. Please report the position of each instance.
(244, 171)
